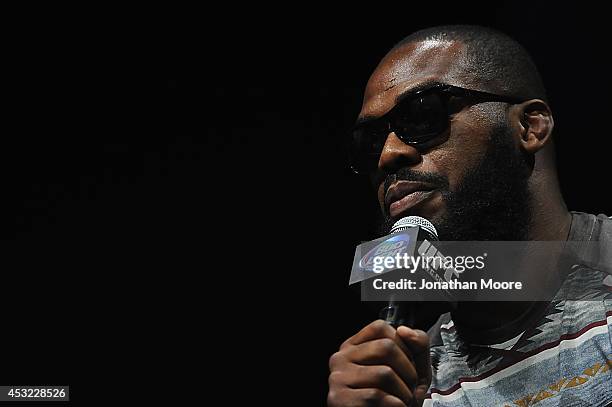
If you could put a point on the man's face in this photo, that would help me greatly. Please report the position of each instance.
(469, 180)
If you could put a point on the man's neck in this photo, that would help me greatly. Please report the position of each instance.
(550, 223)
(549, 218)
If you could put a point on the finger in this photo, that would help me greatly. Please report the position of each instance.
(402, 345)
(362, 398)
(418, 342)
(383, 352)
(375, 330)
(382, 377)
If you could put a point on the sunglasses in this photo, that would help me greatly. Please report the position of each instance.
(418, 119)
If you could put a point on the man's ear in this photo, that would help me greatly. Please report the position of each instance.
(536, 124)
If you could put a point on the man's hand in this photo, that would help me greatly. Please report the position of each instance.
(380, 366)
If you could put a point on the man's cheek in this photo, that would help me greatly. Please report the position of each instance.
(455, 167)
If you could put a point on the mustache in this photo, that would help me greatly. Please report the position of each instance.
(407, 174)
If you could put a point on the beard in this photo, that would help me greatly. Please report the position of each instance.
(491, 203)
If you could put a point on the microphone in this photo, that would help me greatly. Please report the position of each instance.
(426, 229)
(398, 313)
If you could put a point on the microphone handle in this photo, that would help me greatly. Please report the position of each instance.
(398, 313)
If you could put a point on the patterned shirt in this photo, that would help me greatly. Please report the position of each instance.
(562, 355)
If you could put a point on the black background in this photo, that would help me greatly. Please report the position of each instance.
(176, 190)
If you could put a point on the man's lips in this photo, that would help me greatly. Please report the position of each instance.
(404, 195)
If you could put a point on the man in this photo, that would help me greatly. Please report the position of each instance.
(455, 127)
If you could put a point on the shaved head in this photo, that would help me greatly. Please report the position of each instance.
(492, 162)
(499, 62)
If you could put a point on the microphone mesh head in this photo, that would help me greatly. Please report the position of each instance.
(413, 221)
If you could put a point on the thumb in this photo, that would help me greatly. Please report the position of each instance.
(418, 343)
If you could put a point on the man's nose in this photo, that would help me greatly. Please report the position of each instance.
(396, 154)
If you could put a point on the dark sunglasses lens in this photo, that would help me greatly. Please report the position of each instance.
(421, 118)
(366, 144)
(416, 120)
